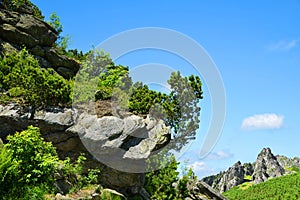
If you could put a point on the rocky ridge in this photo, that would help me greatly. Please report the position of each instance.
(265, 167)
(22, 29)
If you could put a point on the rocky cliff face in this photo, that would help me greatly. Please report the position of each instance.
(266, 166)
(116, 141)
(18, 30)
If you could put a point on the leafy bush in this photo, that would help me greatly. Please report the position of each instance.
(8, 171)
(74, 174)
(26, 165)
(36, 158)
(160, 184)
(22, 77)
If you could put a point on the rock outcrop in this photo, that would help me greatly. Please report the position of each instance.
(18, 30)
(289, 164)
(199, 190)
(266, 166)
(121, 144)
(228, 179)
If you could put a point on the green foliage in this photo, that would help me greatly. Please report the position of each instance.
(293, 169)
(182, 184)
(74, 174)
(18, 5)
(99, 77)
(184, 116)
(107, 195)
(54, 21)
(26, 165)
(22, 77)
(142, 99)
(36, 158)
(248, 177)
(62, 42)
(8, 171)
(159, 183)
(285, 187)
(179, 109)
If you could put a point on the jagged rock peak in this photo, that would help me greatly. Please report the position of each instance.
(266, 166)
(266, 152)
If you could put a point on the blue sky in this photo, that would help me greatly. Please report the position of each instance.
(255, 45)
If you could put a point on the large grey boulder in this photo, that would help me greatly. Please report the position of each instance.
(123, 144)
(199, 190)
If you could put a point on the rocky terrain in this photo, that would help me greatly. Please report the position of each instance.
(265, 167)
(110, 138)
(117, 145)
(19, 30)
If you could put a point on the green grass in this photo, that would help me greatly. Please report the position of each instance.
(293, 169)
(285, 187)
(248, 177)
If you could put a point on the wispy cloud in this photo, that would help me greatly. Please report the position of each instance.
(198, 166)
(263, 121)
(219, 155)
(284, 45)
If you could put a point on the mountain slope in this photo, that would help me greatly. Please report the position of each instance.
(285, 187)
(265, 167)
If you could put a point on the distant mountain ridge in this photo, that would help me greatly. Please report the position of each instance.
(265, 167)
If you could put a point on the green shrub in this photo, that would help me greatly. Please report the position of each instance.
(36, 158)
(8, 171)
(159, 182)
(27, 163)
(74, 174)
(22, 77)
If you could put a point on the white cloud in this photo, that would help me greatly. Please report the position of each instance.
(197, 166)
(219, 155)
(263, 121)
(284, 45)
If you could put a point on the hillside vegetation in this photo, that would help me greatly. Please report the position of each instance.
(285, 187)
(29, 165)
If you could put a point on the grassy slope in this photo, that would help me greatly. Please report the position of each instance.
(285, 187)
